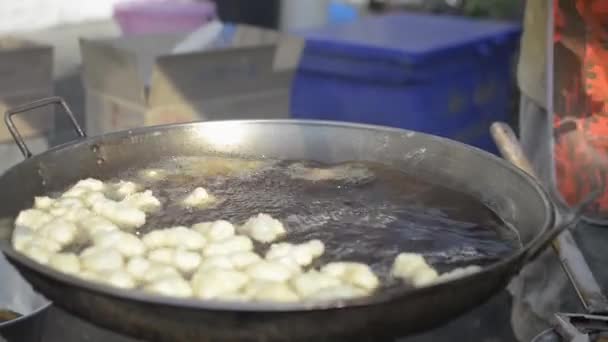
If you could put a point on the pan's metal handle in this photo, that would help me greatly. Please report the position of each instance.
(511, 150)
(55, 100)
(570, 256)
(509, 147)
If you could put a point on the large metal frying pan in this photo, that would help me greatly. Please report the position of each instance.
(511, 193)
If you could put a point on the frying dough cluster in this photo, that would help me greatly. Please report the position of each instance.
(199, 197)
(92, 231)
(349, 173)
(413, 269)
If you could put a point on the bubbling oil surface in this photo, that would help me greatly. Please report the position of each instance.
(363, 212)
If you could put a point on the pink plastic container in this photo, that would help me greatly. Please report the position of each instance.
(161, 16)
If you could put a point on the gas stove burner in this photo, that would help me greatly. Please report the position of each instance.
(576, 328)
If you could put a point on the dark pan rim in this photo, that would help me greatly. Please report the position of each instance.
(30, 316)
(401, 293)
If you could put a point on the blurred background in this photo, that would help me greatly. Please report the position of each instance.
(445, 67)
(326, 25)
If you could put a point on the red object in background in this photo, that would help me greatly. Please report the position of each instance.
(559, 23)
(581, 100)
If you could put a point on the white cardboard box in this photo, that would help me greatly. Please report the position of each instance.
(136, 81)
(25, 75)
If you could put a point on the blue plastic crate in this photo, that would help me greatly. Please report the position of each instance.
(442, 75)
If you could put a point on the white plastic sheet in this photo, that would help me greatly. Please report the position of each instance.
(28, 15)
(15, 293)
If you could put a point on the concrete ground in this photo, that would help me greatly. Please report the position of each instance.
(489, 323)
